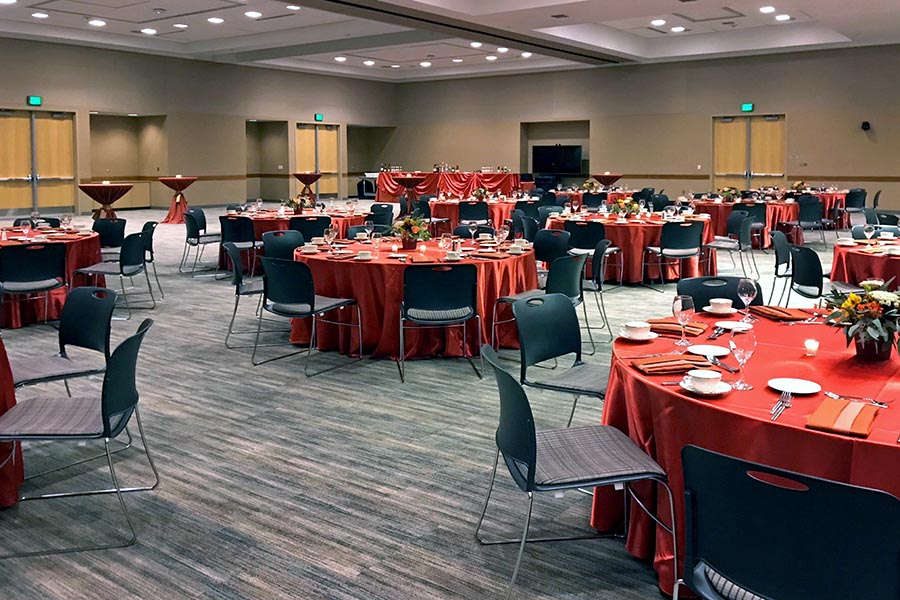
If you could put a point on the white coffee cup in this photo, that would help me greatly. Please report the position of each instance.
(362, 235)
(364, 254)
(454, 255)
(886, 235)
(637, 329)
(309, 247)
(520, 242)
(485, 236)
(720, 305)
(703, 380)
(318, 240)
(516, 249)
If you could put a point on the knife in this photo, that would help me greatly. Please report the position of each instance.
(722, 365)
(717, 333)
(871, 401)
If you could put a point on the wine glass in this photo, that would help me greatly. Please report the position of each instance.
(330, 234)
(369, 226)
(35, 219)
(259, 204)
(447, 241)
(746, 291)
(66, 221)
(869, 231)
(683, 309)
(567, 208)
(473, 227)
(376, 242)
(642, 204)
(742, 344)
(502, 233)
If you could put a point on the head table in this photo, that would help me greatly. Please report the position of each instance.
(663, 419)
(389, 187)
(377, 286)
(860, 262)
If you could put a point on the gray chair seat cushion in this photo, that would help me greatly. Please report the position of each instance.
(674, 253)
(111, 268)
(24, 287)
(723, 244)
(50, 368)
(586, 378)
(48, 417)
(728, 589)
(596, 452)
(453, 314)
(323, 304)
(205, 238)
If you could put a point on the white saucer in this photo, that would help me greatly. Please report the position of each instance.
(448, 259)
(734, 325)
(721, 388)
(846, 244)
(468, 249)
(339, 251)
(730, 311)
(20, 238)
(488, 244)
(794, 386)
(651, 336)
(364, 258)
(708, 350)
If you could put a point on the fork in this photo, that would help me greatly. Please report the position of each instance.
(717, 333)
(786, 404)
(778, 404)
(871, 401)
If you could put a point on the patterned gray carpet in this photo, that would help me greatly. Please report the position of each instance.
(346, 485)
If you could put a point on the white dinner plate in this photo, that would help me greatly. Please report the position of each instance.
(721, 388)
(20, 238)
(734, 325)
(468, 249)
(650, 336)
(316, 251)
(340, 251)
(448, 259)
(794, 386)
(730, 311)
(708, 350)
(364, 258)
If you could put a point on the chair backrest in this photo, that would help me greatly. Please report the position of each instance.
(876, 199)
(856, 198)
(191, 227)
(871, 216)
(755, 210)
(807, 269)
(310, 226)
(33, 262)
(750, 522)
(148, 230)
(515, 436)
(681, 236)
(566, 276)
(288, 282)
(886, 219)
(111, 232)
(658, 202)
(354, 229)
(423, 207)
(529, 227)
(702, 289)
(120, 396)
(237, 265)
(810, 210)
(857, 231)
(364, 189)
(548, 198)
(529, 207)
(733, 224)
(550, 244)
(132, 255)
(440, 287)
(382, 207)
(404, 205)
(473, 211)
(544, 213)
(548, 328)
(585, 234)
(381, 218)
(598, 263)
(594, 200)
(236, 228)
(86, 319)
(199, 218)
(282, 243)
(463, 231)
(235, 207)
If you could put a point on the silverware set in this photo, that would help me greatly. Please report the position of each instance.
(871, 401)
(722, 365)
(814, 320)
(784, 403)
(717, 333)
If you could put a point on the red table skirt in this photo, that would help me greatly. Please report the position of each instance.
(177, 208)
(455, 184)
(378, 288)
(851, 265)
(12, 471)
(498, 212)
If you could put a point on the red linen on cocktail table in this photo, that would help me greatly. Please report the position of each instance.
(607, 179)
(663, 419)
(378, 287)
(307, 179)
(852, 265)
(409, 183)
(179, 202)
(12, 471)
(105, 194)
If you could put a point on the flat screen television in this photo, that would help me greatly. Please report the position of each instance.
(556, 160)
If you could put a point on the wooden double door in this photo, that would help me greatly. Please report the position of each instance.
(318, 147)
(37, 160)
(749, 151)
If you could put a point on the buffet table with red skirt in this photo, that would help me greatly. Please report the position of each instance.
(857, 263)
(455, 184)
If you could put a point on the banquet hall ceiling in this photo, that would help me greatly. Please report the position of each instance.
(412, 40)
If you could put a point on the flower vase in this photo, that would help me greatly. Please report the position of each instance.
(298, 210)
(873, 350)
(409, 243)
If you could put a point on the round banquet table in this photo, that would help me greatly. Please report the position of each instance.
(388, 188)
(498, 211)
(663, 419)
(377, 286)
(12, 471)
(854, 264)
(632, 238)
(105, 194)
(81, 251)
(179, 203)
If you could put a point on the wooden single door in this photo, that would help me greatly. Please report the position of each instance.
(748, 152)
(767, 151)
(730, 141)
(15, 160)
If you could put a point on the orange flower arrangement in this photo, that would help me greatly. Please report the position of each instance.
(412, 227)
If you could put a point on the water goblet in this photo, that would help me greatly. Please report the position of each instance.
(369, 226)
(567, 208)
(330, 235)
(683, 309)
(869, 231)
(259, 204)
(473, 227)
(502, 234)
(746, 291)
(742, 344)
(376, 242)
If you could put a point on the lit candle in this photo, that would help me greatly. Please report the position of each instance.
(394, 248)
(106, 182)
(606, 172)
(811, 346)
(178, 176)
(422, 249)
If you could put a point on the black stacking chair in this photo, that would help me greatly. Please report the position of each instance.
(382, 207)
(553, 460)
(310, 226)
(757, 213)
(854, 202)
(876, 200)
(131, 263)
(281, 243)
(658, 202)
(702, 289)
(550, 244)
(887, 219)
(807, 278)
(548, 198)
(529, 207)
(858, 234)
(462, 231)
(782, 264)
(678, 241)
(239, 230)
(439, 296)
(242, 289)
(810, 218)
(365, 189)
(355, 229)
(548, 329)
(148, 230)
(289, 291)
(424, 209)
(112, 234)
(739, 239)
(585, 235)
(39, 222)
(597, 279)
(381, 218)
(405, 207)
(34, 268)
(779, 515)
(593, 202)
(50, 419)
(473, 211)
(235, 207)
(871, 216)
(544, 213)
(196, 237)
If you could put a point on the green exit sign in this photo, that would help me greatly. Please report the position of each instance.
(320, 117)
(34, 100)
(747, 107)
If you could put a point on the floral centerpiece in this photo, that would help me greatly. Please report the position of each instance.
(729, 193)
(591, 186)
(480, 193)
(625, 206)
(799, 186)
(299, 203)
(870, 319)
(411, 229)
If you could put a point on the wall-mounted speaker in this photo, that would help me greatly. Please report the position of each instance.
(866, 126)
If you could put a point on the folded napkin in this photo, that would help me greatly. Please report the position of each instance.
(9, 243)
(843, 416)
(670, 364)
(494, 255)
(418, 258)
(670, 325)
(873, 250)
(777, 313)
(342, 256)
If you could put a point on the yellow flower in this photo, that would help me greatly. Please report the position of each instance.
(851, 301)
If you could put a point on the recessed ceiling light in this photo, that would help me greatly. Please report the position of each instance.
(149, 31)
(97, 23)
(502, 50)
(132, 114)
(490, 57)
(180, 26)
(526, 55)
(369, 63)
(658, 22)
(457, 60)
(767, 9)
(216, 20)
(677, 29)
(425, 64)
(340, 58)
(395, 66)
(783, 18)
(292, 7)
(253, 14)
(40, 15)
(475, 44)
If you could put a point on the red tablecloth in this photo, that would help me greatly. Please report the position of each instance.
(498, 211)
(378, 287)
(12, 472)
(455, 184)
(718, 213)
(663, 419)
(852, 265)
(179, 202)
(81, 251)
(632, 238)
(832, 200)
(105, 194)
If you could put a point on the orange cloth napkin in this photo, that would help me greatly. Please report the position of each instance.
(421, 259)
(843, 416)
(491, 254)
(342, 256)
(670, 325)
(670, 364)
(777, 313)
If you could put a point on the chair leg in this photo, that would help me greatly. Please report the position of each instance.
(115, 480)
(149, 287)
(125, 297)
(587, 325)
(125, 447)
(162, 294)
(312, 344)
(400, 364)
(601, 306)
(572, 414)
(512, 581)
(237, 301)
(487, 498)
